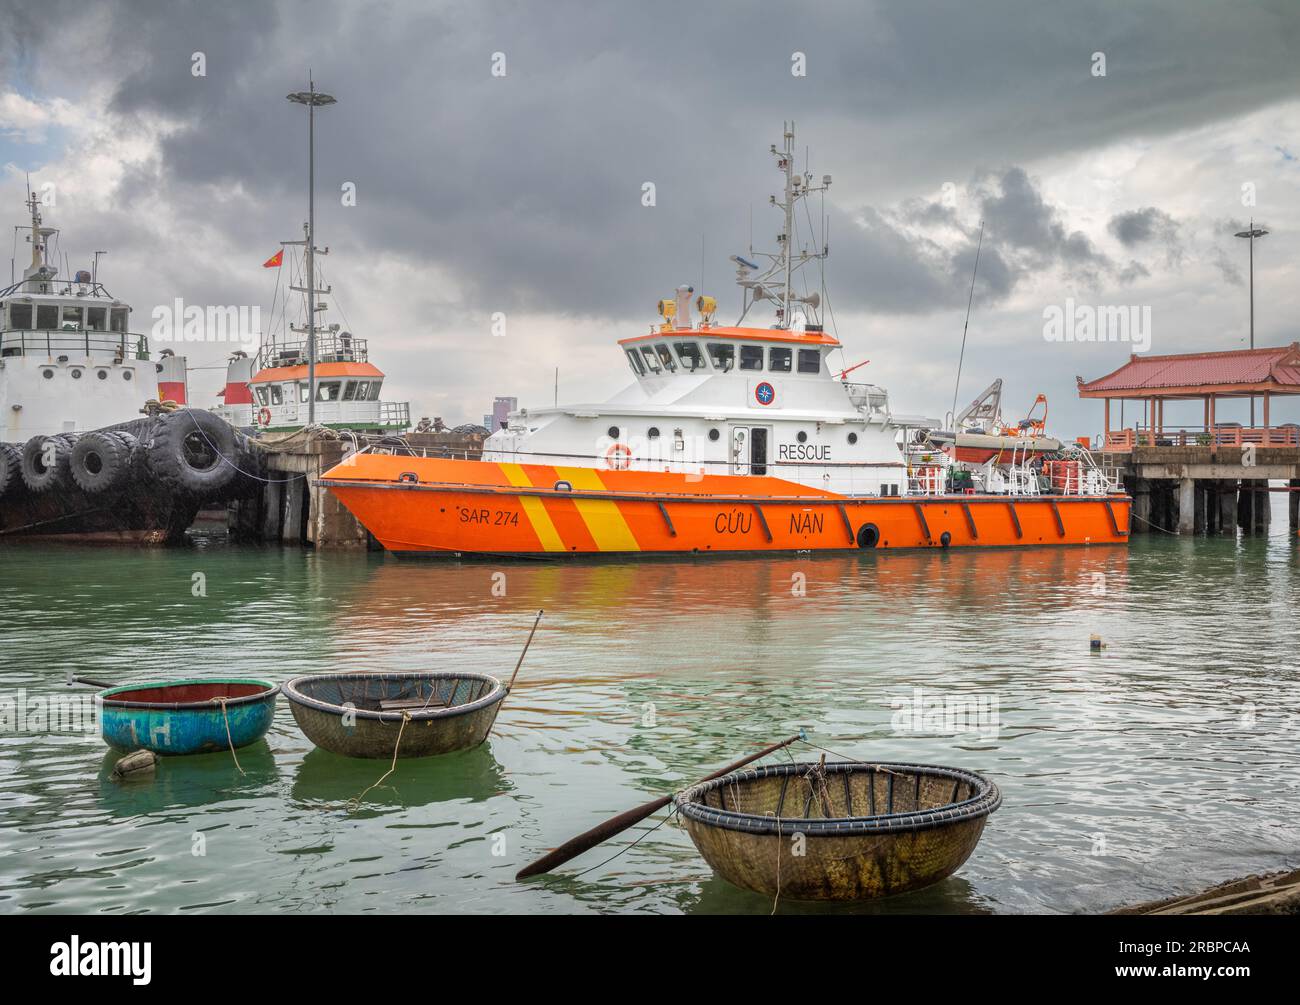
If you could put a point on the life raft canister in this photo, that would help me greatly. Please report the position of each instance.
(264, 417)
(618, 456)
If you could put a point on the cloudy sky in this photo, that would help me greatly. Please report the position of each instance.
(522, 193)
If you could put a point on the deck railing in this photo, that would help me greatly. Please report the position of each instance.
(83, 341)
(1123, 440)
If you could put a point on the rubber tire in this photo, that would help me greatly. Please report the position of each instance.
(11, 469)
(171, 460)
(36, 476)
(115, 462)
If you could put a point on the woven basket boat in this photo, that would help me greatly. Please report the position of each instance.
(193, 716)
(361, 714)
(868, 830)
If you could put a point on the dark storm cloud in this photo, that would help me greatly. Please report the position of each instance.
(526, 189)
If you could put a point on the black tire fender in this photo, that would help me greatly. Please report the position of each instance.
(11, 469)
(193, 451)
(100, 461)
(37, 474)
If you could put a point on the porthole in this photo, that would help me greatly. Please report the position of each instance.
(47, 374)
(102, 375)
(853, 438)
(613, 432)
(76, 374)
(714, 434)
(126, 374)
(653, 432)
(802, 437)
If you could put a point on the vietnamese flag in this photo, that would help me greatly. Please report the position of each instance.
(275, 261)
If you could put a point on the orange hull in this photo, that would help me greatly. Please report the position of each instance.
(416, 504)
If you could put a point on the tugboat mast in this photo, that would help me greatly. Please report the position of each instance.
(312, 99)
(787, 260)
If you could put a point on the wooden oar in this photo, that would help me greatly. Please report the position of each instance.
(616, 825)
(90, 682)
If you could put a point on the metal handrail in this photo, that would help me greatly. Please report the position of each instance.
(67, 339)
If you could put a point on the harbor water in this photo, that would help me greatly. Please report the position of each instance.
(1161, 764)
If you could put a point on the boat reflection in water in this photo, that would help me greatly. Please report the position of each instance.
(197, 780)
(324, 780)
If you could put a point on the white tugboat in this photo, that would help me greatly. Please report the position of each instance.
(94, 444)
(69, 361)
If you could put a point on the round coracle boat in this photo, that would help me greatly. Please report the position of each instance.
(839, 831)
(194, 716)
(363, 714)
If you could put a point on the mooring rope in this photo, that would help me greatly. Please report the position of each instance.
(226, 715)
(356, 802)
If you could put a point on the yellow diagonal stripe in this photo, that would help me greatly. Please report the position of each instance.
(602, 516)
(533, 509)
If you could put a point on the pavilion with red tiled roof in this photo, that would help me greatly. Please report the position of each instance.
(1209, 377)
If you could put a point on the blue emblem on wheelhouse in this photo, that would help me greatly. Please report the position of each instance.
(765, 393)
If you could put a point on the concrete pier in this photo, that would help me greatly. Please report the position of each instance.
(1196, 490)
(291, 510)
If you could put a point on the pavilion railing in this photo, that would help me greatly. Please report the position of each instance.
(1120, 440)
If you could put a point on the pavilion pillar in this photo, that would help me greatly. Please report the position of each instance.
(1209, 425)
(1293, 505)
(1105, 431)
(1266, 415)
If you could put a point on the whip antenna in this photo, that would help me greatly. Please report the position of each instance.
(969, 300)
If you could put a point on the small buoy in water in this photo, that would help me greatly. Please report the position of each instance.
(140, 764)
(1094, 643)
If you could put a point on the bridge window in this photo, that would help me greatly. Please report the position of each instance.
(751, 357)
(634, 361)
(651, 360)
(778, 360)
(690, 355)
(118, 317)
(666, 357)
(723, 355)
(261, 395)
(47, 317)
(20, 316)
(810, 361)
(71, 319)
(350, 390)
(277, 394)
(97, 318)
(374, 389)
(303, 394)
(328, 391)
(363, 390)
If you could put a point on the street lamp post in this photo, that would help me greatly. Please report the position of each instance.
(1250, 235)
(313, 99)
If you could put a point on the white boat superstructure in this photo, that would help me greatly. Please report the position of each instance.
(69, 361)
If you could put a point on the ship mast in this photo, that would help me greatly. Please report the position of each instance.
(788, 259)
(313, 99)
